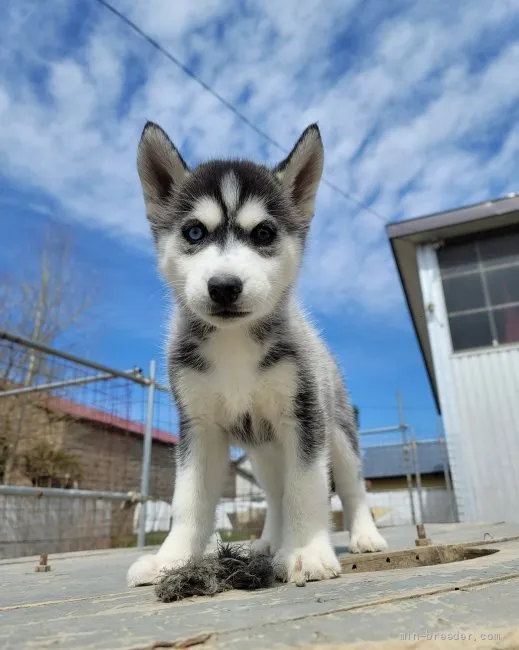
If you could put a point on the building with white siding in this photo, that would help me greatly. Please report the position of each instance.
(460, 275)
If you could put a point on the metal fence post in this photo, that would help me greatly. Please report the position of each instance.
(418, 474)
(405, 450)
(146, 456)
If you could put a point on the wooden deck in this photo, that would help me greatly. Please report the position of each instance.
(83, 603)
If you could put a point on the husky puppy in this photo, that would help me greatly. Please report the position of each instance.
(245, 365)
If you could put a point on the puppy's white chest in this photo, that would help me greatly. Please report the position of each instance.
(234, 377)
(236, 384)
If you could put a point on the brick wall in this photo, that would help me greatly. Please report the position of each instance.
(111, 459)
(23, 423)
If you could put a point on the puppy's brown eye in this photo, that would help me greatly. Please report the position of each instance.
(263, 235)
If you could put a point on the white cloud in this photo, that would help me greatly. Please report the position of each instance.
(399, 100)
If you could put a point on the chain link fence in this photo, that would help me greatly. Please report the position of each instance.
(81, 445)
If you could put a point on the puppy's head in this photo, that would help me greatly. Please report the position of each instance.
(229, 234)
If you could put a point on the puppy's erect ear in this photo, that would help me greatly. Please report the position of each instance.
(301, 170)
(161, 169)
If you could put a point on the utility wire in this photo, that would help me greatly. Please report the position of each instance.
(237, 113)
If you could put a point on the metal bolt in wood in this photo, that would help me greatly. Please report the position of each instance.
(422, 539)
(43, 567)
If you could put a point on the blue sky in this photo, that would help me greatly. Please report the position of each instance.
(417, 104)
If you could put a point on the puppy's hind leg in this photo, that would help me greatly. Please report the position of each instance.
(267, 467)
(349, 485)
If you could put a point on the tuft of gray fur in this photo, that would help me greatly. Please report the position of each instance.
(231, 567)
(195, 578)
(242, 568)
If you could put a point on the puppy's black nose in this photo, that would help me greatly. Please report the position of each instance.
(224, 289)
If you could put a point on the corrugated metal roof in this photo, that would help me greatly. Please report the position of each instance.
(388, 461)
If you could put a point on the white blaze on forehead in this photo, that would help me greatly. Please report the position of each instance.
(208, 211)
(251, 214)
(230, 188)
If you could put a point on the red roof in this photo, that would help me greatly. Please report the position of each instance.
(83, 412)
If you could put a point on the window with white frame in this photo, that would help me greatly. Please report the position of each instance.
(480, 278)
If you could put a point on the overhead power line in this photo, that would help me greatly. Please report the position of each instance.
(235, 111)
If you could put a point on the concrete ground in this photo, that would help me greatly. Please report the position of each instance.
(83, 603)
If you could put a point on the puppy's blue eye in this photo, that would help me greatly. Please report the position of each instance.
(263, 234)
(194, 233)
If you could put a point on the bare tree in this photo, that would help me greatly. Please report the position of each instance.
(42, 302)
(51, 298)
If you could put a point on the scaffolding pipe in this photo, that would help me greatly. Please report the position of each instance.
(368, 432)
(41, 347)
(405, 451)
(23, 491)
(79, 381)
(418, 474)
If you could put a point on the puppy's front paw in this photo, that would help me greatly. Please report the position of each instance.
(149, 569)
(143, 571)
(317, 561)
(367, 540)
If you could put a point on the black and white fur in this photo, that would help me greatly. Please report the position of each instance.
(245, 365)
